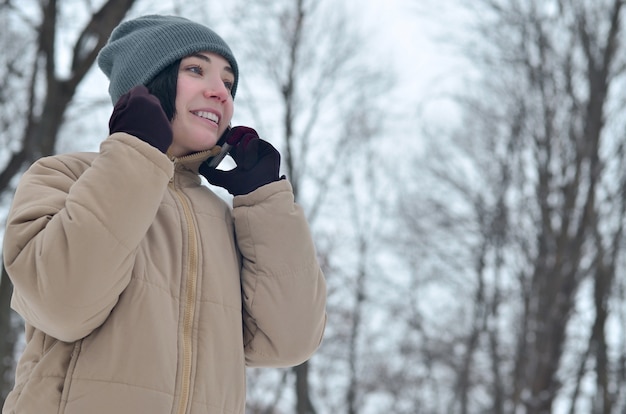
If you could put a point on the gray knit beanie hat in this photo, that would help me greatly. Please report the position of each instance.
(139, 49)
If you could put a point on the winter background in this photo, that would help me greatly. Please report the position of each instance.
(452, 273)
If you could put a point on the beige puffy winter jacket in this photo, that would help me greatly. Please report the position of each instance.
(143, 292)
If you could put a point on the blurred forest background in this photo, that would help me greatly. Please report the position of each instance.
(472, 236)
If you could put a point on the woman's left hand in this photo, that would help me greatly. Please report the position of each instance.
(258, 163)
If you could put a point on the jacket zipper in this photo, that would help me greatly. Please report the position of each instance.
(190, 303)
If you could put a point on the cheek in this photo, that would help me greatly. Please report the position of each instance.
(178, 100)
(184, 92)
(177, 131)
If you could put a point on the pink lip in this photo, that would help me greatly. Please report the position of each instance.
(206, 121)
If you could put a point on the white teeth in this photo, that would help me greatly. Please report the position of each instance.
(208, 115)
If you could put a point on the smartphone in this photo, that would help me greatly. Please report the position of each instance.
(215, 161)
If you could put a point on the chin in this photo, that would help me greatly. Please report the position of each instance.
(203, 142)
(207, 146)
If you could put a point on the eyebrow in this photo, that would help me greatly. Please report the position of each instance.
(208, 59)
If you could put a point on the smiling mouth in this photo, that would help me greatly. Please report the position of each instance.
(207, 115)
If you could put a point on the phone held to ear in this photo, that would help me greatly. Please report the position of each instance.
(215, 161)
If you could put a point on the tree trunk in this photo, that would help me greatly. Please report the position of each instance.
(40, 133)
(303, 404)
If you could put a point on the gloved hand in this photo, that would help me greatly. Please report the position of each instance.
(258, 163)
(140, 114)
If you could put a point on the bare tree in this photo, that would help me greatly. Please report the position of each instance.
(547, 108)
(35, 97)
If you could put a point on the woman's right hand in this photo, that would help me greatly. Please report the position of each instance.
(140, 114)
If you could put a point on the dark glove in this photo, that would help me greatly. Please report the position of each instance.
(258, 163)
(140, 114)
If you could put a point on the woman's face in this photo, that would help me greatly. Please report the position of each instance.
(204, 105)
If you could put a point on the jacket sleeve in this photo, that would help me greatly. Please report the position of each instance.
(284, 291)
(73, 230)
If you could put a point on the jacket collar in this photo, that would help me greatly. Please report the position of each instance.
(193, 161)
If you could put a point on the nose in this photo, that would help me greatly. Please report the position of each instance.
(215, 89)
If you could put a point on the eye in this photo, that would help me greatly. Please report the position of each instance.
(197, 69)
(229, 84)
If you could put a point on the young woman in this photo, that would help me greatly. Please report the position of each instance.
(142, 291)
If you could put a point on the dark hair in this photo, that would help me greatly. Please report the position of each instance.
(163, 86)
